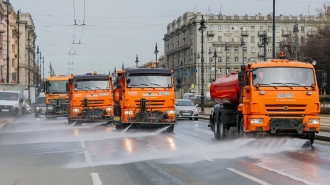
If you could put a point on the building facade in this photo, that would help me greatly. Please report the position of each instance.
(183, 42)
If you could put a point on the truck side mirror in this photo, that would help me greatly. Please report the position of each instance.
(67, 86)
(75, 85)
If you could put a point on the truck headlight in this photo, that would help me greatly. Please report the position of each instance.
(171, 112)
(256, 121)
(75, 110)
(314, 121)
(50, 107)
(128, 112)
(109, 109)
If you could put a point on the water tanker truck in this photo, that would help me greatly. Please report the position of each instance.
(277, 97)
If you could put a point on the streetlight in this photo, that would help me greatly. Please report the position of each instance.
(7, 3)
(201, 29)
(242, 44)
(156, 52)
(43, 67)
(198, 57)
(39, 81)
(137, 61)
(29, 66)
(210, 64)
(296, 31)
(273, 43)
(18, 23)
(226, 49)
(215, 64)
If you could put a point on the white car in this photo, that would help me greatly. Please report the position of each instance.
(185, 108)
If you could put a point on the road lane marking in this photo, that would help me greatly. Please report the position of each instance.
(88, 158)
(325, 158)
(248, 176)
(96, 179)
(82, 144)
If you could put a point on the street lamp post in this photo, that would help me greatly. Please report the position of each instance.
(29, 67)
(137, 61)
(296, 31)
(215, 64)
(39, 81)
(18, 23)
(242, 44)
(156, 52)
(201, 29)
(210, 64)
(226, 49)
(198, 82)
(43, 67)
(273, 43)
(7, 3)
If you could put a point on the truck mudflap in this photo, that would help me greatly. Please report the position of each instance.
(286, 125)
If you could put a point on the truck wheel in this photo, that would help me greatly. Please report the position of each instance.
(196, 119)
(170, 129)
(311, 138)
(241, 129)
(219, 130)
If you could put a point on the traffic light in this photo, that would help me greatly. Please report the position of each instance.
(178, 83)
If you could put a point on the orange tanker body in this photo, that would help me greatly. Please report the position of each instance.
(273, 97)
(144, 97)
(90, 98)
(56, 96)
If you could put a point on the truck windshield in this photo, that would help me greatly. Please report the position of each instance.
(283, 76)
(11, 96)
(150, 80)
(56, 86)
(91, 84)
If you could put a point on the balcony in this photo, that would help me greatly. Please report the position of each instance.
(261, 33)
(311, 33)
(261, 54)
(285, 33)
(245, 33)
(210, 33)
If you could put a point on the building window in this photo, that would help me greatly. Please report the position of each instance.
(302, 28)
(244, 59)
(302, 39)
(228, 70)
(252, 39)
(220, 59)
(286, 28)
(235, 69)
(220, 38)
(277, 50)
(236, 49)
(219, 28)
(269, 49)
(277, 29)
(310, 29)
(244, 49)
(244, 28)
(210, 39)
(235, 28)
(253, 50)
(261, 50)
(227, 39)
(252, 28)
(261, 28)
(269, 28)
(236, 39)
(227, 28)
(210, 28)
(277, 39)
(236, 60)
(228, 60)
(269, 39)
(219, 49)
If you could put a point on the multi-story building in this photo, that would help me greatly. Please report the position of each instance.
(28, 61)
(183, 43)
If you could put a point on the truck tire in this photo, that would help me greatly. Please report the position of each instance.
(241, 128)
(219, 130)
(311, 138)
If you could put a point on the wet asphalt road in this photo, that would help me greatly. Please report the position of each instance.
(38, 151)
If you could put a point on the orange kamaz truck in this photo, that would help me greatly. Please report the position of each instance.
(56, 96)
(90, 97)
(273, 97)
(144, 97)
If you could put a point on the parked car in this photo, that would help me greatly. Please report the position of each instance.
(185, 108)
(40, 106)
(28, 109)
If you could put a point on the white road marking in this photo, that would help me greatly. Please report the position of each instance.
(248, 176)
(82, 144)
(88, 158)
(2, 125)
(325, 158)
(96, 179)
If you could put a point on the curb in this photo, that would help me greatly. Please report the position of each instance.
(317, 137)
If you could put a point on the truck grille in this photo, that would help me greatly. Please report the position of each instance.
(53, 101)
(285, 107)
(94, 102)
(154, 103)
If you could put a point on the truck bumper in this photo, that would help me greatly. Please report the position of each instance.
(290, 125)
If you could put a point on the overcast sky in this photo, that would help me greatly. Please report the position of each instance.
(116, 31)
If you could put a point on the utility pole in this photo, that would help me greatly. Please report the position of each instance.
(7, 3)
(41, 80)
(226, 49)
(29, 66)
(18, 23)
(215, 64)
(296, 31)
(39, 69)
(242, 44)
(273, 43)
(137, 61)
(43, 67)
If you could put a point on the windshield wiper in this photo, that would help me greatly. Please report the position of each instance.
(283, 84)
(155, 84)
(297, 84)
(267, 85)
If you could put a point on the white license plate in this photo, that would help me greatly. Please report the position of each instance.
(5, 110)
(186, 114)
(44, 109)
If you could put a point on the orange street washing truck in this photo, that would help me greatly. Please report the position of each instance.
(272, 97)
(56, 96)
(144, 97)
(90, 98)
